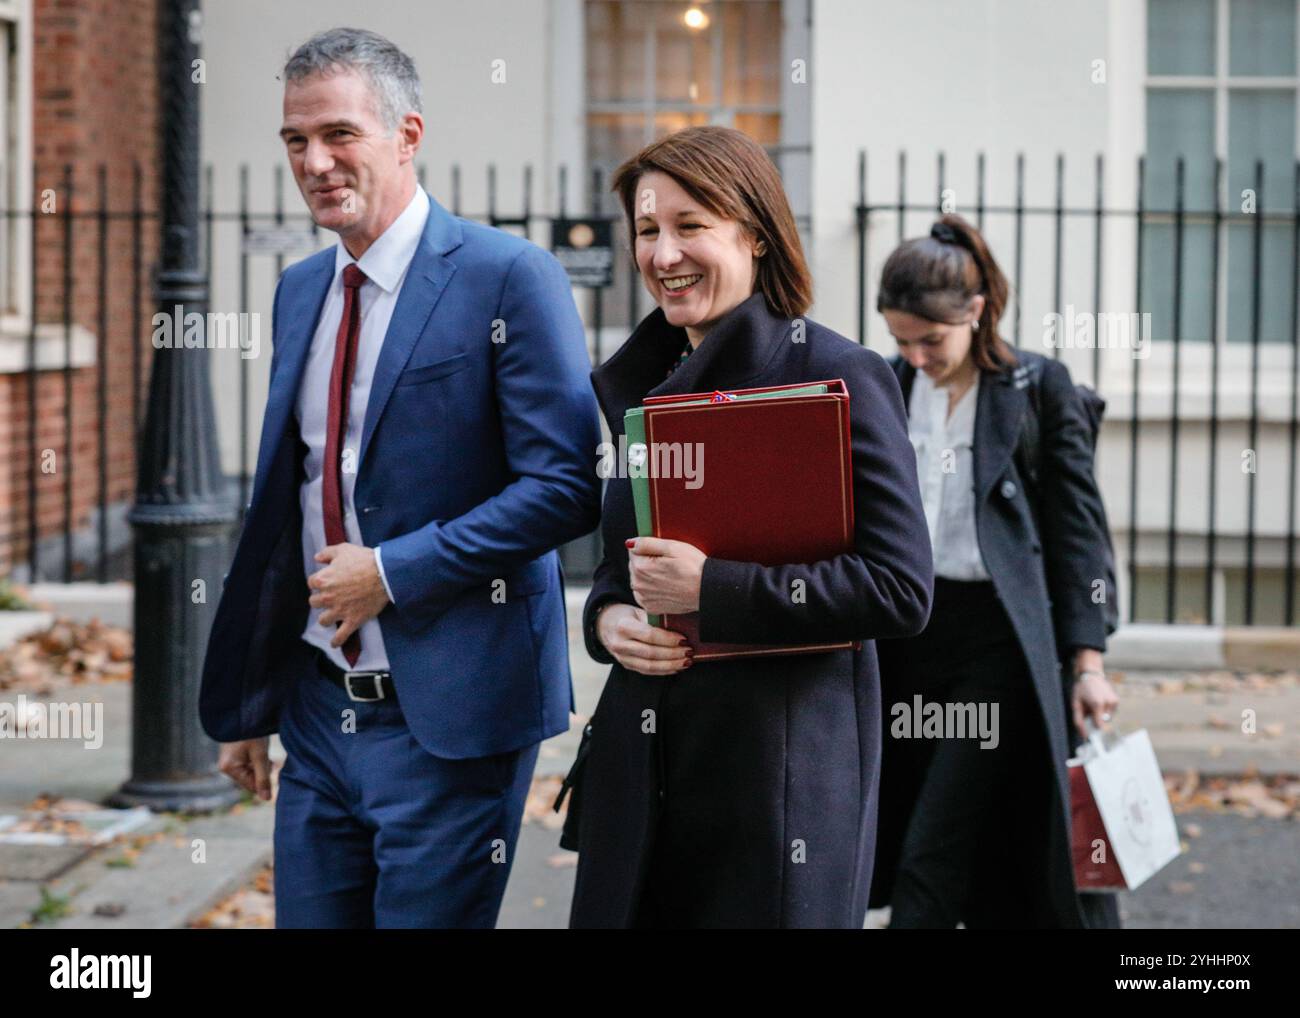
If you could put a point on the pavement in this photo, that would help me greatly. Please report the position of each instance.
(1236, 870)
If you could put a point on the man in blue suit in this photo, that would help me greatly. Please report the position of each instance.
(395, 609)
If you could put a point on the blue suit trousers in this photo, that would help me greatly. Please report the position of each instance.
(373, 831)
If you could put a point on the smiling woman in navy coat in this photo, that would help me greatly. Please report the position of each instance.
(751, 799)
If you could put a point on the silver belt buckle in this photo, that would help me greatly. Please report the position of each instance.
(379, 687)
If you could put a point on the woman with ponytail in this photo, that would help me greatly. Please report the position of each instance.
(975, 817)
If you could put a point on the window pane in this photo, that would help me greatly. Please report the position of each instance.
(683, 54)
(764, 128)
(668, 123)
(1261, 125)
(1180, 122)
(615, 52)
(1197, 276)
(751, 53)
(734, 41)
(1261, 37)
(1275, 295)
(611, 138)
(1180, 37)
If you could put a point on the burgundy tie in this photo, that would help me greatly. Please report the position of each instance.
(345, 362)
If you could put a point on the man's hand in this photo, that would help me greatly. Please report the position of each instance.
(665, 575)
(348, 590)
(248, 764)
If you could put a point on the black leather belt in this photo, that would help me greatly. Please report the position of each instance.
(361, 686)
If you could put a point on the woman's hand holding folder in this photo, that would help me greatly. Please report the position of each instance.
(639, 646)
(665, 575)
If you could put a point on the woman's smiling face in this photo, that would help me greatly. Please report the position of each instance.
(696, 265)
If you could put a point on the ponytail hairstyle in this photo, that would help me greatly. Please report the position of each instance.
(937, 277)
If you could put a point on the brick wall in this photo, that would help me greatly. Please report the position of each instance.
(95, 103)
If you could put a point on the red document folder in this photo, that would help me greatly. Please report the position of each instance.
(776, 487)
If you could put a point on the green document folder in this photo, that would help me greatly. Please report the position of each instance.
(638, 458)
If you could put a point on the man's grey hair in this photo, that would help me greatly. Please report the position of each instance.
(391, 73)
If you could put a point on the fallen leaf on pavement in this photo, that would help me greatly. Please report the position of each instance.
(68, 651)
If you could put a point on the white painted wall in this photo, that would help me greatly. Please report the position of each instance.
(961, 76)
(1009, 76)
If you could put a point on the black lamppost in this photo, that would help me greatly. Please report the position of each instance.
(180, 518)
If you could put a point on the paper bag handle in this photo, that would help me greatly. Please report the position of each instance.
(1096, 737)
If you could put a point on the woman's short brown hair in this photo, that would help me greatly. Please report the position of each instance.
(728, 173)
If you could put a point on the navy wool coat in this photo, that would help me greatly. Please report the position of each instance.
(752, 803)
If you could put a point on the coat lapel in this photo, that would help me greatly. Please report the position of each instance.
(426, 279)
(626, 375)
(735, 352)
(906, 374)
(998, 413)
(299, 312)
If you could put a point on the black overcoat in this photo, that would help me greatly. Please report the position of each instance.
(748, 786)
(1035, 523)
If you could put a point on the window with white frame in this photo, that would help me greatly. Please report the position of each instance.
(655, 67)
(1221, 85)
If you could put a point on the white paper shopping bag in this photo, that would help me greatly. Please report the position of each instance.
(1124, 828)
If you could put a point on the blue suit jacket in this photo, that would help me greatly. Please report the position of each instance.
(477, 460)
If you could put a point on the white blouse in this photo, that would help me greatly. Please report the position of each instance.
(945, 467)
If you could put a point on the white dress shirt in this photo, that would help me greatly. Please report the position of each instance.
(385, 264)
(945, 467)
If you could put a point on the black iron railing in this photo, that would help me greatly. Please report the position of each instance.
(1077, 241)
(1160, 225)
(94, 232)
